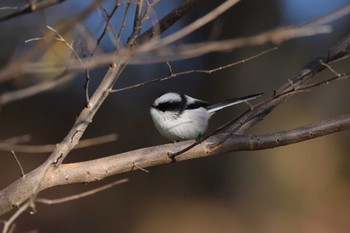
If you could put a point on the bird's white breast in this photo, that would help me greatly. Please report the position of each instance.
(189, 124)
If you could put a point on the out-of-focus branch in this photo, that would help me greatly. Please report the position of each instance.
(17, 140)
(171, 53)
(193, 26)
(98, 169)
(50, 147)
(167, 21)
(30, 7)
(107, 25)
(181, 52)
(35, 89)
(13, 69)
(276, 36)
(80, 195)
(137, 23)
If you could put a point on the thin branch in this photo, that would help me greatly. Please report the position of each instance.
(61, 38)
(330, 68)
(18, 163)
(150, 6)
(187, 72)
(32, 194)
(10, 221)
(174, 53)
(327, 81)
(13, 68)
(40, 87)
(331, 17)
(196, 24)
(137, 23)
(80, 195)
(30, 7)
(190, 50)
(35, 89)
(167, 21)
(5, 8)
(17, 140)
(122, 26)
(185, 51)
(35, 149)
(107, 26)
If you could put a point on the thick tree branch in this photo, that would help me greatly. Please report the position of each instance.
(95, 170)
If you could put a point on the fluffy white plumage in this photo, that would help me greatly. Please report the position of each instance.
(180, 117)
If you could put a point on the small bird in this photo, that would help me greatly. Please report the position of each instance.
(180, 117)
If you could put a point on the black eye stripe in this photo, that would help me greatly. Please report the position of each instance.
(170, 106)
(179, 106)
(197, 104)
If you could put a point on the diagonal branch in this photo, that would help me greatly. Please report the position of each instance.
(30, 7)
(167, 21)
(247, 119)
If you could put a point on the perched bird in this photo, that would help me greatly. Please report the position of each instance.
(181, 117)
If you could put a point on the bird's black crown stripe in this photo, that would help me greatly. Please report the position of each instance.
(174, 106)
(180, 106)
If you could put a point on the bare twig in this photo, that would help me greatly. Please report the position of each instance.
(5, 8)
(30, 7)
(107, 26)
(150, 6)
(327, 81)
(186, 51)
(50, 147)
(137, 23)
(18, 163)
(330, 68)
(13, 69)
(210, 71)
(122, 26)
(17, 140)
(61, 38)
(181, 51)
(45, 85)
(80, 195)
(35, 89)
(331, 17)
(196, 24)
(9, 222)
(167, 21)
(33, 192)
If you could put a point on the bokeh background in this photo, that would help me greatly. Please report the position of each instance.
(298, 188)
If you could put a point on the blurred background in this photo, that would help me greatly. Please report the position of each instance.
(297, 188)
